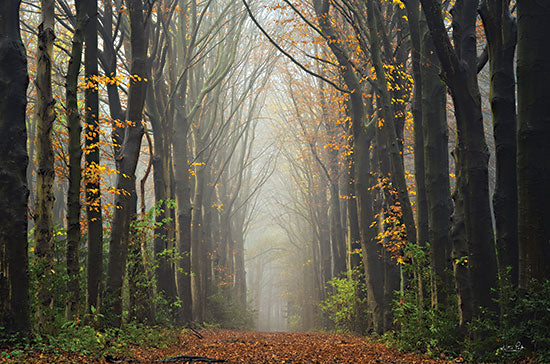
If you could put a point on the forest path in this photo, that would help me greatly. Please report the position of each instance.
(268, 347)
(248, 347)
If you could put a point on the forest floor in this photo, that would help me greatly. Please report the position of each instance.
(226, 346)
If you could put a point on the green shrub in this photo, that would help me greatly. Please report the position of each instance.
(84, 339)
(424, 329)
(520, 330)
(525, 322)
(345, 305)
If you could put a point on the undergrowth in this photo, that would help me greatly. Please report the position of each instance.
(521, 330)
(78, 338)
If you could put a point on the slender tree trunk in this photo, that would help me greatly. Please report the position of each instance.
(208, 248)
(126, 201)
(110, 69)
(324, 237)
(75, 157)
(435, 132)
(196, 243)
(162, 244)
(533, 163)
(459, 254)
(14, 267)
(371, 250)
(417, 111)
(43, 230)
(183, 191)
(240, 273)
(354, 238)
(422, 237)
(229, 260)
(92, 159)
(336, 230)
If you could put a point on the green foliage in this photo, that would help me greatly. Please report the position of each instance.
(226, 312)
(74, 337)
(345, 305)
(521, 329)
(531, 320)
(424, 329)
(87, 340)
(421, 327)
(59, 279)
(143, 262)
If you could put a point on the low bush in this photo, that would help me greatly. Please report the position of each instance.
(519, 331)
(78, 338)
(345, 305)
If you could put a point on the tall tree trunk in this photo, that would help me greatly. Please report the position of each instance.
(110, 68)
(354, 238)
(164, 236)
(43, 230)
(459, 254)
(183, 191)
(388, 133)
(126, 201)
(436, 158)
(92, 159)
(208, 248)
(533, 163)
(14, 267)
(324, 236)
(163, 244)
(371, 250)
(361, 155)
(459, 65)
(196, 242)
(472, 159)
(240, 273)
(501, 32)
(75, 156)
(336, 230)
(417, 111)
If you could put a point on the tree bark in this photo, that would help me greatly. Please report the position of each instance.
(163, 245)
(417, 111)
(126, 200)
(92, 160)
(533, 164)
(501, 33)
(336, 230)
(196, 242)
(354, 238)
(459, 65)
(183, 202)
(75, 173)
(438, 190)
(14, 268)
(43, 230)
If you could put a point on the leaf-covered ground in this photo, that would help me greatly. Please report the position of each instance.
(254, 348)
